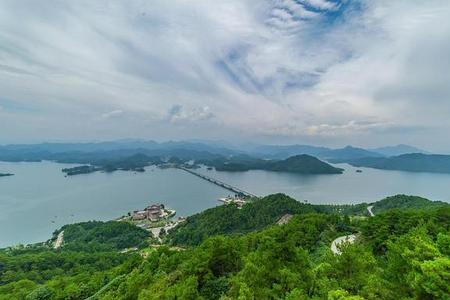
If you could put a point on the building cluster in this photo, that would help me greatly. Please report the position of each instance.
(154, 213)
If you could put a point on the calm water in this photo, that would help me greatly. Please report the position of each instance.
(39, 193)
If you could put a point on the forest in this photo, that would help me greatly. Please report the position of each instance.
(403, 252)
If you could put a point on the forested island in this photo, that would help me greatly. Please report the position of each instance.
(228, 253)
(136, 163)
(301, 164)
(5, 174)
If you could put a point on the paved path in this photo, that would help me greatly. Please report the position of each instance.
(59, 240)
(342, 239)
(347, 238)
(369, 209)
(156, 231)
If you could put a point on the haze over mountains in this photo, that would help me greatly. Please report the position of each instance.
(135, 154)
(213, 147)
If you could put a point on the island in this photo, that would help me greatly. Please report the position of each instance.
(301, 164)
(135, 163)
(80, 170)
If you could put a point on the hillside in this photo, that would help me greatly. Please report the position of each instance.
(228, 219)
(399, 254)
(415, 162)
(264, 212)
(405, 202)
(109, 235)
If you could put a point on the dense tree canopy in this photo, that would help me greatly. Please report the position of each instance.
(398, 254)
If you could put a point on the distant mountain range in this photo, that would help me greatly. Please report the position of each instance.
(227, 156)
(348, 152)
(398, 150)
(213, 147)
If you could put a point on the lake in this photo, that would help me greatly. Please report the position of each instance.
(38, 199)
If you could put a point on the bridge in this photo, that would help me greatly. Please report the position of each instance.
(220, 183)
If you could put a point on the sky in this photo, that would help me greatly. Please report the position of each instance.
(366, 73)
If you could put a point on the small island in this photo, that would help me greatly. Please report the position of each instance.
(5, 174)
(80, 170)
(135, 163)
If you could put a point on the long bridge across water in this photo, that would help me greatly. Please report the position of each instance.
(219, 183)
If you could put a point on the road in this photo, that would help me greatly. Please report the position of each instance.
(59, 240)
(342, 239)
(347, 238)
(369, 209)
(156, 231)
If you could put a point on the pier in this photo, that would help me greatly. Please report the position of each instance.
(220, 183)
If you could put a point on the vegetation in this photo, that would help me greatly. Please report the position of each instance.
(135, 163)
(42, 273)
(95, 235)
(302, 164)
(228, 219)
(399, 254)
(80, 170)
(405, 201)
(261, 213)
(5, 174)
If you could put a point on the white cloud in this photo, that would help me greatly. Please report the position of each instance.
(112, 114)
(321, 4)
(177, 113)
(297, 68)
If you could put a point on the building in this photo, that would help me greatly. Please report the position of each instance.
(154, 213)
(139, 215)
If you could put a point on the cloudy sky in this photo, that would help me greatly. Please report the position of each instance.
(366, 73)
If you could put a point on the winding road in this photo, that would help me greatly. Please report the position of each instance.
(342, 239)
(347, 238)
(369, 209)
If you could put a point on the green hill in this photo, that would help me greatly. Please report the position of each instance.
(301, 164)
(398, 254)
(228, 219)
(264, 212)
(405, 202)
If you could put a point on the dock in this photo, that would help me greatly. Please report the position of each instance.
(219, 183)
